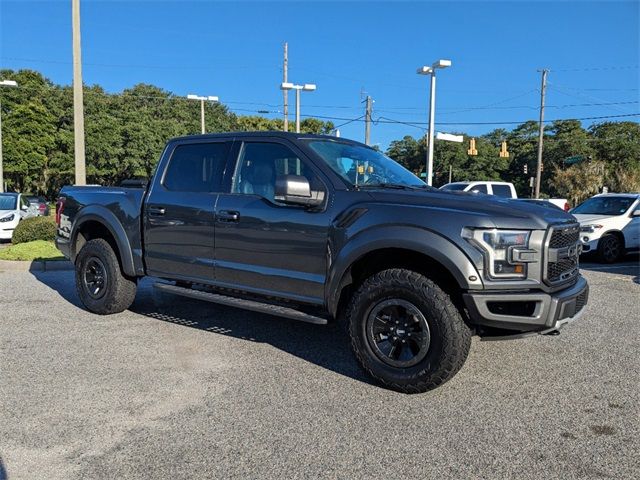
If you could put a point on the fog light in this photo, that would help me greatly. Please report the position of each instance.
(585, 239)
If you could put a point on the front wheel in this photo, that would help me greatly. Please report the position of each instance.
(609, 248)
(405, 331)
(100, 283)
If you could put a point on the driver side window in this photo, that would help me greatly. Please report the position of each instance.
(259, 165)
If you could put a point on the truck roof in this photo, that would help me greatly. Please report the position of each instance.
(268, 133)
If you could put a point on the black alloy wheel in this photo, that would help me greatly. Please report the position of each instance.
(398, 333)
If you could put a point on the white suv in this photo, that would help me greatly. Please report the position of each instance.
(609, 224)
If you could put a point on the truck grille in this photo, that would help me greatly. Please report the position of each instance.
(562, 252)
(565, 237)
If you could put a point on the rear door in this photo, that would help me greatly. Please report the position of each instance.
(179, 211)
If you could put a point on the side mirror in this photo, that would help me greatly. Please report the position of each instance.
(295, 190)
(24, 208)
(636, 213)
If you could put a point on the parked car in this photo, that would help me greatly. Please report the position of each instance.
(560, 203)
(318, 228)
(499, 189)
(41, 204)
(13, 208)
(609, 224)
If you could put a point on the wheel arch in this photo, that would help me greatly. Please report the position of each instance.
(98, 222)
(412, 248)
(617, 233)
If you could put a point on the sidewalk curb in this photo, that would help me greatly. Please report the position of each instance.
(35, 266)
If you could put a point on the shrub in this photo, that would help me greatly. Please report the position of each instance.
(35, 228)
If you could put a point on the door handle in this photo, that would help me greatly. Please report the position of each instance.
(228, 216)
(156, 211)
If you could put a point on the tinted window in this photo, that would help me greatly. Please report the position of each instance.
(261, 163)
(454, 186)
(502, 190)
(8, 202)
(196, 167)
(479, 188)
(604, 206)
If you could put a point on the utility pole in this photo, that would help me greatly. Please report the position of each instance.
(450, 172)
(285, 93)
(78, 106)
(367, 121)
(543, 88)
(202, 126)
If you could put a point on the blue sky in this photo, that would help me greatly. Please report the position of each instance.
(234, 50)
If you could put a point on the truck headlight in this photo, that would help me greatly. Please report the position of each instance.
(8, 218)
(505, 251)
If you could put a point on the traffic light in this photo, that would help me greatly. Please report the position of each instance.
(525, 169)
(503, 150)
(472, 147)
(541, 167)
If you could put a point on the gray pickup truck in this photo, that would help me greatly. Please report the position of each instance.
(317, 229)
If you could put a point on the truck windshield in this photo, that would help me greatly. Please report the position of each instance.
(604, 206)
(8, 202)
(362, 166)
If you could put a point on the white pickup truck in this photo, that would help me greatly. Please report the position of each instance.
(502, 189)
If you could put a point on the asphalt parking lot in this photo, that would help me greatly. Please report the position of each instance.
(178, 388)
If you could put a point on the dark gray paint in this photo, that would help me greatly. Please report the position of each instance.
(248, 243)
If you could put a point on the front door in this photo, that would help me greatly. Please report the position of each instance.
(179, 212)
(264, 246)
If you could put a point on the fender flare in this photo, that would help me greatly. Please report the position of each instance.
(105, 217)
(421, 241)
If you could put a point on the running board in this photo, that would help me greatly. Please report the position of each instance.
(277, 310)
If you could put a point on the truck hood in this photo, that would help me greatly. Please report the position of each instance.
(487, 210)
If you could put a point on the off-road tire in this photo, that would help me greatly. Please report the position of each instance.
(609, 248)
(450, 336)
(119, 291)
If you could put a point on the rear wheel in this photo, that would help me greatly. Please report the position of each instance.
(609, 248)
(100, 283)
(406, 332)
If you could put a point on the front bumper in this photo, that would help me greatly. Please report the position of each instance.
(590, 245)
(533, 311)
(6, 233)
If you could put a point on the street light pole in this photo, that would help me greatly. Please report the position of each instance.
(298, 110)
(202, 99)
(432, 117)
(307, 87)
(4, 83)
(426, 70)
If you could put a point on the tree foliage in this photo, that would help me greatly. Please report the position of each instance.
(124, 133)
(608, 155)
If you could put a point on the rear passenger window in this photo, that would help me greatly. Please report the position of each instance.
(196, 167)
(501, 190)
(481, 188)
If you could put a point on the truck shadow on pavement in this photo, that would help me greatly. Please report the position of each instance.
(324, 345)
(3, 472)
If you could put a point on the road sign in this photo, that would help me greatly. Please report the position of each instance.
(449, 137)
